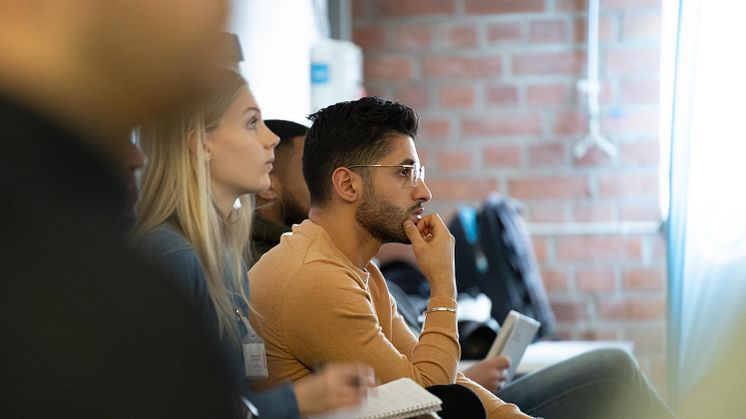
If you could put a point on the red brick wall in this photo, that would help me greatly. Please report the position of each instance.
(494, 84)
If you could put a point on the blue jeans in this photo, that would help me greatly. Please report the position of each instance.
(604, 383)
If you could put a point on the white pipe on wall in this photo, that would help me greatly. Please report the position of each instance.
(592, 87)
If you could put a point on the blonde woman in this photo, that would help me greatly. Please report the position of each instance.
(194, 221)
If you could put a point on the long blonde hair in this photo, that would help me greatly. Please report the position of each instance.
(176, 189)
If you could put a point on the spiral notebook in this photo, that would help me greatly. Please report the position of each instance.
(398, 399)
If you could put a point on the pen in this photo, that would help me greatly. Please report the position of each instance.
(254, 412)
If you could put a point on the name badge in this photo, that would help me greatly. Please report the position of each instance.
(254, 354)
(254, 357)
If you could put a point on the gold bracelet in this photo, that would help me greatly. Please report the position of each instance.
(448, 309)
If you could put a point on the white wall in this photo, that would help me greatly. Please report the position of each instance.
(276, 36)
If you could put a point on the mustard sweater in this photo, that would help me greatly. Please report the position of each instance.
(313, 306)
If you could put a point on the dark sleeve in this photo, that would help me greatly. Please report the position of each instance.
(176, 258)
(173, 254)
(277, 403)
(184, 267)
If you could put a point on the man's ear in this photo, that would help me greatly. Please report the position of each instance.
(194, 145)
(273, 192)
(347, 184)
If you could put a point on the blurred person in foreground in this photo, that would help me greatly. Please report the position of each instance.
(88, 329)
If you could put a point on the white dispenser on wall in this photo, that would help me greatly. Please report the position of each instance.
(336, 72)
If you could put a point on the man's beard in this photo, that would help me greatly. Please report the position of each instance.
(292, 211)
(382, 219)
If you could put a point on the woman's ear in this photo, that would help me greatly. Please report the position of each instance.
(195, 144)
(347, 184)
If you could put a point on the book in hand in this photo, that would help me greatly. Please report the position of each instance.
(402, 398)
(516, 333)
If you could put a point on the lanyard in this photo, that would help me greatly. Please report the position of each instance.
(254, 352)
(246, 323)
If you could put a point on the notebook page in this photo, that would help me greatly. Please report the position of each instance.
(400, 398)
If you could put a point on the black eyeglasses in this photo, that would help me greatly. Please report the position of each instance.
(414, 172)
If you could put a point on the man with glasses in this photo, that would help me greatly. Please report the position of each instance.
(316, 297)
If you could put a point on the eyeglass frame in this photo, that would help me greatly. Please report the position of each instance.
(419, 174)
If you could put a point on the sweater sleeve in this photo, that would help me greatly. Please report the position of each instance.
(330, 316)
(407, 342)
(495, 408)
(437, 325)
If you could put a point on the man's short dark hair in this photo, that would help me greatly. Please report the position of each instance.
(286, 130)
(349, 133)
